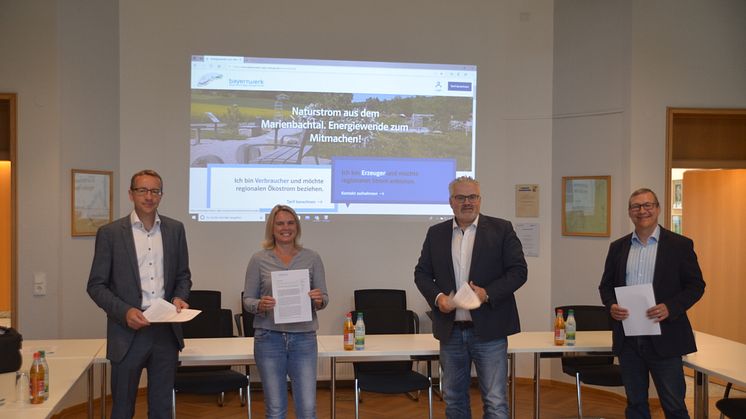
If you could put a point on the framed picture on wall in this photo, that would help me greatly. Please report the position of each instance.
(585, 206)
(91, 201)
(676, 224)
(677, 195)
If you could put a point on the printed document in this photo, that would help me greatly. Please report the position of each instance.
(637, 299)
(290, 290)
(161, 311)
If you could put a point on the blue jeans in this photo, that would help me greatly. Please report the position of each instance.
(491, 362)
(637, 359)
(282, 354)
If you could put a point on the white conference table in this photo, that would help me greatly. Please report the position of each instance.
(68, 360)
(217, 351)
(716, 357)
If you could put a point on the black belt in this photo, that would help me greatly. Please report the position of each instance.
(463, 325)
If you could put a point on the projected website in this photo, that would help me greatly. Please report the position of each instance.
(329, 138)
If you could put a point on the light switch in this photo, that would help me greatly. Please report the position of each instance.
(40, 283)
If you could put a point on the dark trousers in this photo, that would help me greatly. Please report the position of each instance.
(638, 359)
(155, 349)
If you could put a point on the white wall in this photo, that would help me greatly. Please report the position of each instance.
(30, 68)
(697, 59)
(565, 88)
(514, 61)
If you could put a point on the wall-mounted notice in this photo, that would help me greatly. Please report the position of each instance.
(526, 200)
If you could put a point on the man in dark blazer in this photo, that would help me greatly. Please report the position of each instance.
(652, 254)
(140, 258)
(484, 254)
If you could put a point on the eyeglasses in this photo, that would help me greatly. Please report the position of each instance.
(463, 198)
(144, 191)
(647, 205)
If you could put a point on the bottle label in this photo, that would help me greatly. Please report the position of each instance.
(570, 338)
(359, 340)
(349, 340)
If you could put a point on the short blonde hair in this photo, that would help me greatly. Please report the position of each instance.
(460, 179)
(269, 236)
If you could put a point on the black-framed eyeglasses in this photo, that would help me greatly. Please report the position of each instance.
(646, 205)
(463, 198)
(144, 191)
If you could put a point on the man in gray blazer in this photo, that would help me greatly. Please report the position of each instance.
(138, 259)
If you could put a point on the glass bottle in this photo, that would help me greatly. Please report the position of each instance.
(570, 328)
(559, 329)
(359, 332)
(349, 333)
(36, 380)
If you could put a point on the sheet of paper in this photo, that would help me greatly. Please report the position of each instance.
(466, 298)
(161, 311)
(526, 200)
(637, 299)
(528, 234)
(290, 290)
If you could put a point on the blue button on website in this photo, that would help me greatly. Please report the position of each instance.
(459, 86)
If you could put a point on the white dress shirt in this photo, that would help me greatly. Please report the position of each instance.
(462, 245)
(149, 248)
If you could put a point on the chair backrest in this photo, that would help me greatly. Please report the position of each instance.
(210, 323)
(245, 325)
(204, 299)
(380, 299)
(388, 322)
(589, 318)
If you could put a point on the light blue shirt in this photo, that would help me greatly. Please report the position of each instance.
(641, 259)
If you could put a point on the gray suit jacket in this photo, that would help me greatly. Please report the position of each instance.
(114, 282)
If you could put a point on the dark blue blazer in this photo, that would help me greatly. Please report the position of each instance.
(497, 265)
(677, 283)
(114, 282)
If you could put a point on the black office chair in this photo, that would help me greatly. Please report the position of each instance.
(380, 299)
(734, 408)
(599, 370)
(211, 323)
(244, 321)
(393, 377)
(388, 299)
(204, 299)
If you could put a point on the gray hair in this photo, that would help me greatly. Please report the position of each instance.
(461, 179)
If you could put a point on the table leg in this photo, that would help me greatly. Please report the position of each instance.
(537, 384)
(511, 359)
(104, 366)
(333, 385)
(90, 391)
(701, 402)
